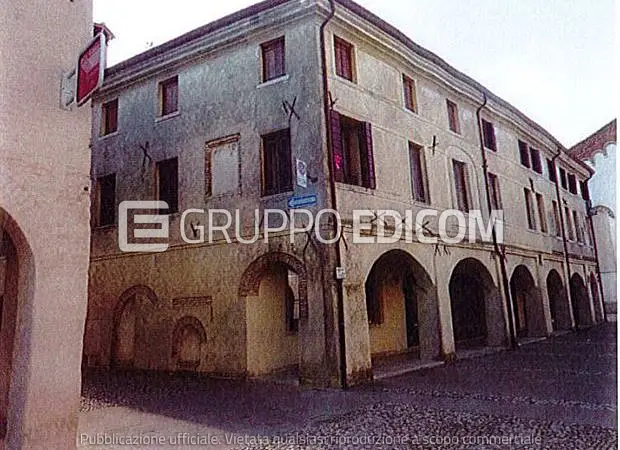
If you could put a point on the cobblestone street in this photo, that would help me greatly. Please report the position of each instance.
(559, 393)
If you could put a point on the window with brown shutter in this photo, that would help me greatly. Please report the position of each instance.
(460, 185)
(352, 151)
(106, 189)
(529, 209)
(563, 180)
(553, 176)
(488, 135)
(418, 173)
(585, 192)
(277, 163)
(572, 183)
(578, 228)
(542, 215)
(494, 192)
(556, 219)
(273, 59)
(411, 102)
(343, 52)
(169, 96)
(569, 224)
(524, 154)
(168, 183)
(109, 117)
(536, 161)
(453, 117)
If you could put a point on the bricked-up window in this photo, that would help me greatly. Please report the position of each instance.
(411, 100)
(494, 192)
(578, 227)
(419, 184)
(563, 181)
(277, 163)
(536, 161)
(353, 154)
(169, 96)
(542, 215)
(524, 154)
(488, 135)
(109, 117)
(453, 117)
(461, 187)
(106, 190)
(168, 183)
(556, 219)
(553, 175)
(585, 192)
(569, 224)
(572, 183)
(529, 209)
(345, 59)
(273, 59)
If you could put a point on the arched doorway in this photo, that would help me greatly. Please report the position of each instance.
(558, 302)
(596, 299)
(476, 306)
(526, 304)
(274, 288)
(580, 302)
(399, 303)
(189, 336)
(129, 336)
(16, 290)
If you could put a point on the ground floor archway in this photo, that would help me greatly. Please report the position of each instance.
(596, 298)
(527, 304)
(558, 302)
(580, 302)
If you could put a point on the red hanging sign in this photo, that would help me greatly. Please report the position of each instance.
(90, 69)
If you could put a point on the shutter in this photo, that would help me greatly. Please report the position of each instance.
(337, 150)
(369, 177)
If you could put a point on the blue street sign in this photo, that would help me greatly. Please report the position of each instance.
(302, 201)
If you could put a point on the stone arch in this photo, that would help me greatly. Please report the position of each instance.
(580, 302)
(17, 267)
(477, 306)
(125, 329)
(559, 305)
(188, 337)
(401, 303)
(527, 304)
(596, 298)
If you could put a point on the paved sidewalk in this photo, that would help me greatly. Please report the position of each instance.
(559, 393)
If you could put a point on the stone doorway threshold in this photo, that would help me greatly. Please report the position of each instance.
(288, 376)
(395, 365)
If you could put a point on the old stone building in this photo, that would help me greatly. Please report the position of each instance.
(44, 223)
(221, 117)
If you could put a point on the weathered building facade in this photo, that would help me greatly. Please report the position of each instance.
(44, 223)
(219, 118)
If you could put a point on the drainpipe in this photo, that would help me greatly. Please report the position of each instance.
(599, 277)
(564, 240)
(333, 195)
(500, 254)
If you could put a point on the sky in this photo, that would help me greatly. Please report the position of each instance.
(555, 60)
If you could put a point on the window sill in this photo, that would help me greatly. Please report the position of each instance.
(103, 137)
(273, 81)
(352, 82)
(167, 116)
(355, 188)
(278, 196)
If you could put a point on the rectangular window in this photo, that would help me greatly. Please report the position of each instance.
(585, 192)
(553, 175)
(542, 215)
(418, 173)
(488, 134)
(569, 224)
(411, 101)
(524, 154)
(494, 192)
(109, 117)
(277, 163)
(572, 184)
(106, 189)
(169, 96)
(453, 117)
(344, 58)
(168, 183)
(563, 181)
(460, 185)
(529, 209)
(353, 154)
(273, 59)
(536, 161)
(578, 228)
(556, 219)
